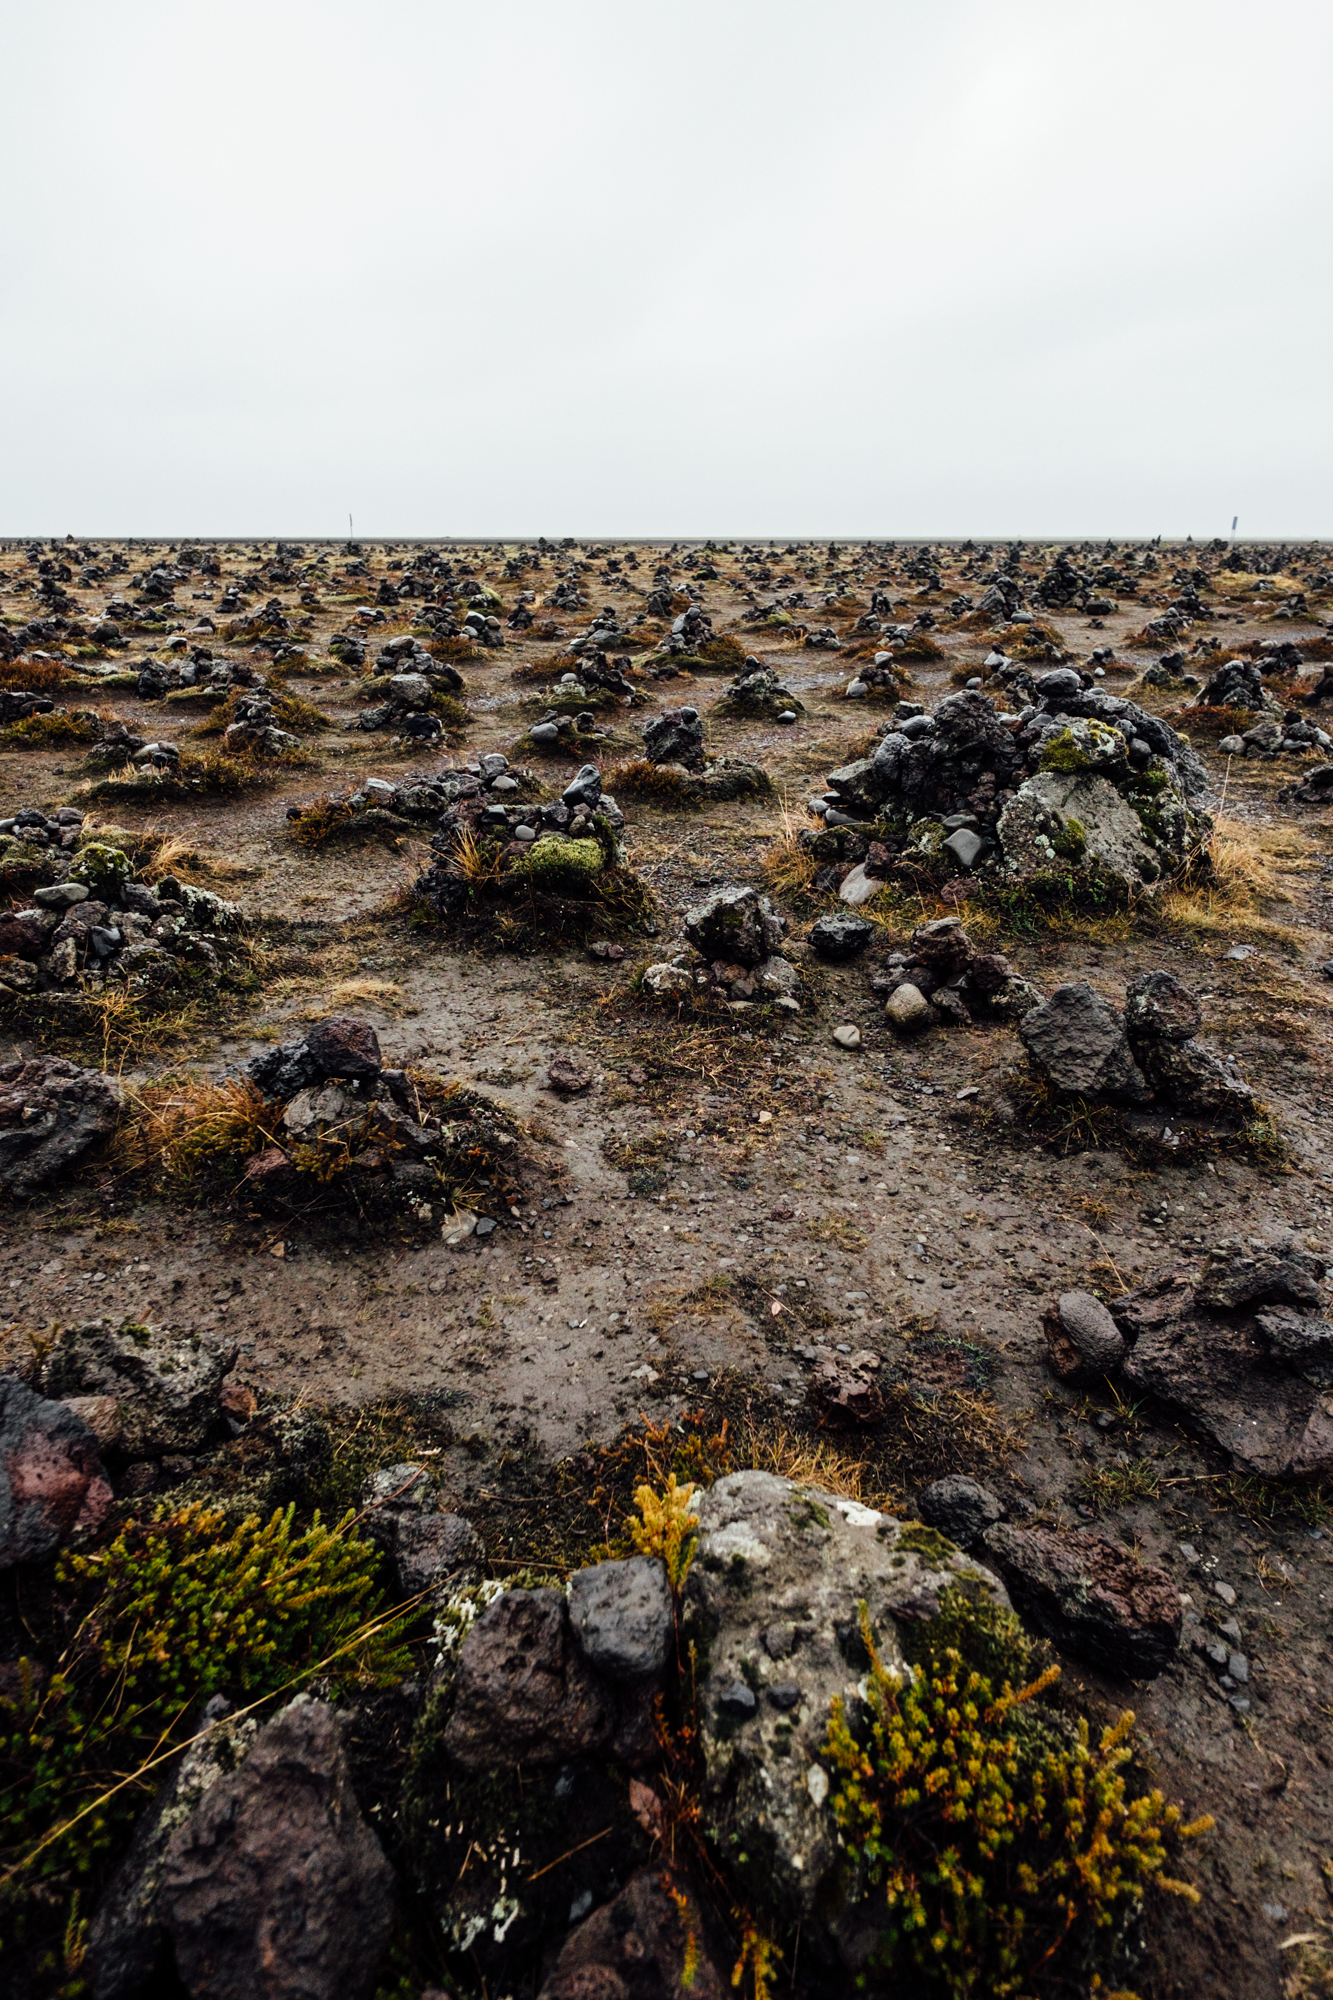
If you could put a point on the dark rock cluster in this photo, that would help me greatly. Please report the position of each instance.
(1081, 1047)
(1236, 1344)
(1078, 779)
(734, 958)
(91, 923)
(347, 1126)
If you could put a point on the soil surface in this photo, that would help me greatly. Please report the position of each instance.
(733, 1197)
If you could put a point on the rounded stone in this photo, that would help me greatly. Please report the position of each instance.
(908, 1009)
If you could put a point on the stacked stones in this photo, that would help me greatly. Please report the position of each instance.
(735, 934)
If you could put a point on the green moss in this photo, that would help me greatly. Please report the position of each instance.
(103, 869)
(170, 1612)
(1071, 841)
(986, 1635)
(921, 1541)
(563, 866)
(1065, 753)
(985, 1836)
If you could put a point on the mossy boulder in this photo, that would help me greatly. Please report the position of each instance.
(565, 867)
(104, 870)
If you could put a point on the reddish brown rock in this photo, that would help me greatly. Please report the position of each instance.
(21, 935)
(52, 1485)
(569, 1078)
(845, 1390)
(1083, 1342)
(344, 1046)
(1090, 1597)
(522, 1694)
(276, 1886)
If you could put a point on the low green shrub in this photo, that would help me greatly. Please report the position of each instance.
(1006, 1845)
(165, 1615)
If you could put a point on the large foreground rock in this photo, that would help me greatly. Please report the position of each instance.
(276, 1886)
(52, 1485)
(51, 1111)
(165, 1384)
(523, 1693)
(1090, 1597)
(127, 1944)
(772, 1603)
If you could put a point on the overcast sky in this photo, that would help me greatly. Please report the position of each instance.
(846, 267)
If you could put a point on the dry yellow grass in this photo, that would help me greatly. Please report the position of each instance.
(1253, 869)
(182, 1130)
(373, 992)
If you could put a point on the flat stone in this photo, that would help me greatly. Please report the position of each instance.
(1090, 1597)
(965, 846)
(857, 887)
(847, 1036)
(61, 895)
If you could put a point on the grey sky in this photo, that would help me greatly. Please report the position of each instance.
(1033, 266)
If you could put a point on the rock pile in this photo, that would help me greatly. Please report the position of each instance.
(567, 729)
(406, 655)
(1237, 1343)
(95, 924)
(692, 629)
(408, 710)
(675, 737)
(735, 934)
(1277, 731)
(347, 1128)
(203, 671)
(255, 729)
(942, 977)
(757, 691)
(1081, 1047)
(1078, 781)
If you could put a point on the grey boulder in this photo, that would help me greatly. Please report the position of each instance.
(51, 1111)
(166, 1384)
(961, 1508)
(772, 1602)
(1076, 1042)
(621, 1616)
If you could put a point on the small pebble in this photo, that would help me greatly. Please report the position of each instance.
(847, 1037)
